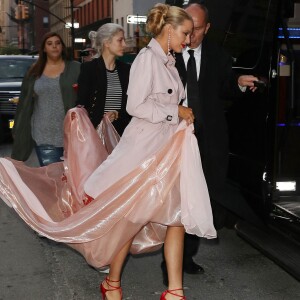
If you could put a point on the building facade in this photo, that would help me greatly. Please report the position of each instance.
(23, 23)
(88, 14)
(91, 14)
(123, 8)
(40, 22)
(60, 15)
(8, 31)
(134, 33)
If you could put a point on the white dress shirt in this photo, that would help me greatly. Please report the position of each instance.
(197, 55)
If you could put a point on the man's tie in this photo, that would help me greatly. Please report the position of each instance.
(192, 88)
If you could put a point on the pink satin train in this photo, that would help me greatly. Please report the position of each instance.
(167, 189)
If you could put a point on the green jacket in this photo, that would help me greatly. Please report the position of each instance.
(23, 142)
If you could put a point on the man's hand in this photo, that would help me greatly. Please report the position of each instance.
(247, 81)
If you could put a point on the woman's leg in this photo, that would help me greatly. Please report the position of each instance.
(115, 272)
(173, 250)
(48, 154)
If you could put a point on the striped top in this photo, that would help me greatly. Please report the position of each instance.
(113, 99)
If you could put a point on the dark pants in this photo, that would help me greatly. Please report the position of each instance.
(48, 154)
(191, 245)
(222, 218)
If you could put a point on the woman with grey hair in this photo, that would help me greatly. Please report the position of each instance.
(103, 81)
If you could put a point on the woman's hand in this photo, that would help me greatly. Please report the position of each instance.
(186, 114)
(112, 115)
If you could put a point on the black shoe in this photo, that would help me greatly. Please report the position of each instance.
(192, 268)
(164, 273)
(189, 268)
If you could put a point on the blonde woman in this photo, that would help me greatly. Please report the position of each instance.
(103, 81)
(154, 92)
(148, 191)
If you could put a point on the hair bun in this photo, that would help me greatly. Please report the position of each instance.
(164, 11)
(92, 35)
(157, 18)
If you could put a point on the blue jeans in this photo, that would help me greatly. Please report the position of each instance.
(48, 154)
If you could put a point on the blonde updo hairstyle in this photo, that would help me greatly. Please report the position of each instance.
(163, 14)
(105, 33)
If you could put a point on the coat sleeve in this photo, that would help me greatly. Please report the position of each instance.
(25, 100)
(67, 80)
(144, 101)
(229, 79)
(124, 117)
(84, 85)
(23, 142)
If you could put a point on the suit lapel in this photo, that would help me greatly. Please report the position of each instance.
(101, 80)
(181, 68)
(202, 82)
(203, 64)
(101, 83)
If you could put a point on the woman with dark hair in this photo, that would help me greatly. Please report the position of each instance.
(47, 93)
(103, 81)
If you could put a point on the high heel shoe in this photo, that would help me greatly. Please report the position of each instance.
(111, 288)
(180, 297)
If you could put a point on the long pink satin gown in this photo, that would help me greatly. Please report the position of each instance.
(152, 179)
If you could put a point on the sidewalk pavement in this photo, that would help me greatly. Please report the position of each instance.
(34, 268)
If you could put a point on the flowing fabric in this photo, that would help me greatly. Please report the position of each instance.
(166, 189)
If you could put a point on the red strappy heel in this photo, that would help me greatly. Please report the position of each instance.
(111, 287)
(163, 295)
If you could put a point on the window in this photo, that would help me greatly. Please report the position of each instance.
(45, 22)
(128, 30)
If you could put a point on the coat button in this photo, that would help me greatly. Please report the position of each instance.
(170, 91)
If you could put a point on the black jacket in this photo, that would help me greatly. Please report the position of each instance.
(92, 88)
(216, 82)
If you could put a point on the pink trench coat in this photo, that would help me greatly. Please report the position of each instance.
(154, 92)
(151, 180)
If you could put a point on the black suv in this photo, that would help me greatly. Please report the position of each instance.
(12, 70)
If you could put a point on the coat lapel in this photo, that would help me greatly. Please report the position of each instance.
(100, 74)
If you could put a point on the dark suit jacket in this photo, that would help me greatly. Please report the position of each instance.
(92, 88)
(216, 81)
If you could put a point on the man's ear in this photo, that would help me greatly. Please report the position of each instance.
(207, 28)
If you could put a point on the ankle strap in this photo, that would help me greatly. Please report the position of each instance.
(108, 280)
(174, 294)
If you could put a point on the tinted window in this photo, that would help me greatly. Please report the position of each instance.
(251, 25)
(14, 68)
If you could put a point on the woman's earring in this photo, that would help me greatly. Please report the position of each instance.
(169, 40)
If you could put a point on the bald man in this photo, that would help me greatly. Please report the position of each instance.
(214, 78)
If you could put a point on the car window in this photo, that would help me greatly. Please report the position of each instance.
(14, 68)
(251, 25)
